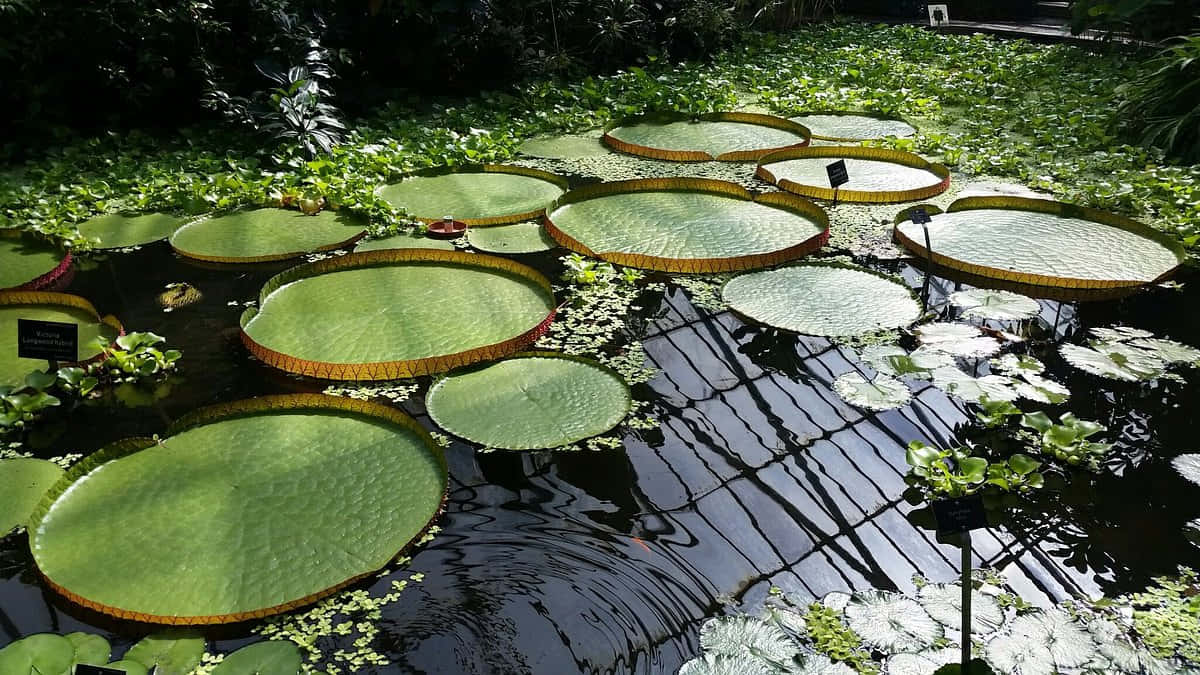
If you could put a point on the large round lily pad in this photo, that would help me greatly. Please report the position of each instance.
(686, 225)
(403, 240)
(876, 175)
(822, 299)
(118, 230)
(515, 238)
(244, 510)
(29, 262)
(44, 306)
(853, 127)
(262, 235)
(717, 136)
(570, 146)
(1043, 243)
(488, 195)
(23, 482)
(384, 315)
(539, 400)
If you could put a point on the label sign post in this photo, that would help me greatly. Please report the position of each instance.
(51, 341)
(84, 669)
(920, 216)
(838, 176)
(960, 516)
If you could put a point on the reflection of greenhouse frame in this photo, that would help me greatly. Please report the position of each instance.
(217, 413)
(18, 298)
(853, 113)
(46, 279)
(1040, 285)
(778, 200)
(271, 257)
(698, 155)
(394, 370)
(503, 219)
(856, 152)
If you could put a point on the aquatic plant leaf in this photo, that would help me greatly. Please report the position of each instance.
(720, 664)
(1169, 350)
(944, 604)
(891, 622)
(39, 654)
(568, 146)
(128, 667)
(261, 235)
(248, 533)
(884, 392)
(118, 230)
(174, 652)
(541, 400)
(713, 137)
(270, 657)
(515, 238)
(89, 648)
(836, 600)
(1042, 641)
(475, 197)
(1110, 363)
(1043, 390)
(25, 259)
(405, 240)
(817, 664)
(957, 339)
(60, 307)
(852, 127)
(957, 383)
(985, 303)
(23, 483)
(787, 619)
(1119, 333)
(1017, 365)
(878, 176)
(921, 663)
(1188, 466)
(1119, 655)
(897, 362)
(825, 300)
(746, 636)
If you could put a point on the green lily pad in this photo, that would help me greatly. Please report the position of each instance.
(866, 175)
(516, 238)
(243, 510)
(129, 667)
(271, 657)
(476, 197)
(720, 136)
(882, 393)
(23, 483)
(955, 382)
(540, 400)
(118, 230)
(175, 652)
(43, 308)
(851, 127)
(89, 648)
(40, 654)
(822, 299)
(260, 235)
(24, 259)
(396, 314)
(569, 146)
(986, 303)
(891, 622)
(957, 339)
(403, 241)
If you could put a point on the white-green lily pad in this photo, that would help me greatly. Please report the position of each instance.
(475, 196)
(891, 622)
(836, 600)
(403, 241)
(1040, 389)
(1040, 642)
(896, 361)
(956, 339)
(852, 128)
(922, 663)
(1188, 466)
(957, 383)
(984, 303)
(528, 402)
(746, 637)
(515, 238)
(23, 483)
(884, 392)
(1169, 350)
(260, 235)
(174, 652)
(569, 146)
(720, 664)
(270, 657)
(1111, 363)
(119, 230)
(944, 604)
(39, 654)
(1017, 364)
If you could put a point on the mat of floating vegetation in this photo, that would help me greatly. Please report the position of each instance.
(263, 235)
(730, 137)
(530, 401)
(1036, 242)
(243, 510)
(826, 299)
(385, 315)
(28, 261)
(877, 175)
(404, 240)
(119, 230)
(569, 146)
(515, 238)
(852, 127)
(485, 195)
(686, 225)
(45, 306)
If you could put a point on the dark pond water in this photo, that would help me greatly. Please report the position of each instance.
(608, 562)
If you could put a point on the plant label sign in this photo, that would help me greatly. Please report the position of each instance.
(962, 514)
(938, 15)
(919, 215)
(837, 173)
(47, 340)
(84, 669)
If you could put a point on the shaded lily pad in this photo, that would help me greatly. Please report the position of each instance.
(882, 393)
(488, 195)
(175, 652)
(891, 622)
(261, 235)
(877, 175)
(984, 303)
(403, 241)
(270, 657)
(27, 261)
(822, 299)
(516, 238)
(119, 230)
(222, 520)
(38, 655)
(852, 127)
(569, 146)
(540, 400)
(719, 136)
(89, 648)
(23, 483)
(43, 306)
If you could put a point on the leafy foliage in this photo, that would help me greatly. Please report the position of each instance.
(1161, 108)
(1067, 441)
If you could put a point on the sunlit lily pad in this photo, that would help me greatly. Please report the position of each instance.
(1043, 641)
(172, 652)
(1111, 363)
(23, 482)
(516, 238)
(119, 230)
(819, 664)
(851, 127)
(957, 383)
(746, 637)
(27, 261)
(719, 136)
(891, 622)
(485, 196)
(1188, 466)
(877, 175)
(896, 361)
(42, 306)
(922, 663)
(270, 657)
(884, 392)
(222, 520)
(38, 654)
(984, 303)
(90, 648)
(944, 604)
(403, 241)
(261, 235)
(720, 664)
(957, 339)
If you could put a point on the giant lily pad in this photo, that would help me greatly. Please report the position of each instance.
(876, 174)
(540, 400)
(262, 235)
(570, 146)
(243, 510)
(853, 127)
(118, 230)
(29, 262)
(822, 299)
(1043, 243)
(404, 240)
(718, 136)
(43, 306)
(488, 195)
(686, 225)
(23, 482)
(384, 315)
(516, 238)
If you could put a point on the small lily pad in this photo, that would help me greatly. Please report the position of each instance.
(957, 383)
(130, 667)
(270, 657)
(984, 303)
(720, 664)
(957, 339)
(884, 392)
(515, 238)
(944, 604)
(119, 230)
(42, 653)
(1043, 641)
(90, 648)
(175, 652)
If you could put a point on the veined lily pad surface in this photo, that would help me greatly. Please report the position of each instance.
(60, 307)
(728, 136)
(822, 299)
(23, 482)
(851, 127)
(484, 197)
(515, 238)
(570, 146)
(118, 230)
(686, 225)
(243, 510)
(866, 175)
(527, 402)
(26, 261)
(877, 175)
(260, 235)
(399, 313)
(403, 241)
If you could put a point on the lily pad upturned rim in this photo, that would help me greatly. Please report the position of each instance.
(1027, 281)
(850, 113)
(271, 257)
(503, 219)
(760, 119)
(778, 200)
(214, 413)
(46, 279)
(16, 298)
(406, 368)
(856, 152)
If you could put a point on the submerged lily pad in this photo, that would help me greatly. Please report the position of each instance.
(822, 299)
(720, 136)
(986, 303)
(516, 238)
(27, 261)
(270, 657)
(403, 241)
(569, 146)
(42, 306)
(23, 483)
(261, 235)
(119, 230)
(876, 175)
(853, 127)
(541, 400)
(487, 196)
(891, 622)
(882, 393)
(223, 520)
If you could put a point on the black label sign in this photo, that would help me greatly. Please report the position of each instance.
(959, 515)
(837, 173)
(47, 340)
(919, 215)
(84, 669)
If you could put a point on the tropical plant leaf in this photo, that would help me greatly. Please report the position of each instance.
(406, 240)
(850, 127)
(258, 235)
(269, 657)
(472, 195)
(720, 664)
(1042, 641)
(866, 175)
(118, 230)
(747, 637)
(944, 604)
(985, 303)
(1188, 466)
(884, 392)
(515, 238)
(42, 653)
(23, 483)
(891, 622)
